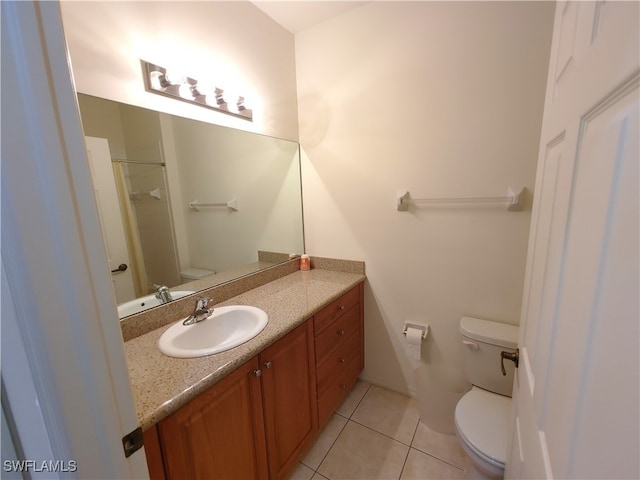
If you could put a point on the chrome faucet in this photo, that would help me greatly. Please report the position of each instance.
(163, 294)
(200, 313)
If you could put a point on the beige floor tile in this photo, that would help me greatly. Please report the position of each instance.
(445, 447)
(324, 441)
(420, 466)
(301, 472)
(360, 453)
(317, 476)
(388, 412)
(353, 399)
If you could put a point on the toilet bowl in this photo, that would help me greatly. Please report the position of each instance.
(482, 414)
(482, 425)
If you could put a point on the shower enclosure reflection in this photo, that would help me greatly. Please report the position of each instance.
(148, 167)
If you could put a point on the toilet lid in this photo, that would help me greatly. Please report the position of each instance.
(482, 419)
(196, 273)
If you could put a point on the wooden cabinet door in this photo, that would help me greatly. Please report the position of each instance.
(220, 433)
(153, 452)
(289, 396)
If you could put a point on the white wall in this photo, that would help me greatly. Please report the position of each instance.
(233, 43)
(441, 99)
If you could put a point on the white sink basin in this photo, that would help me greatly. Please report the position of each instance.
(225, 328)
(143, 303)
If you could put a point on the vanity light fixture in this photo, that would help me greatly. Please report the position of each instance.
(164, 82)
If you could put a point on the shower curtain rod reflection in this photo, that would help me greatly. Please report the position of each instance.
(139, 162)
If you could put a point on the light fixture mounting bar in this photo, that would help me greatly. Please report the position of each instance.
(157, 80)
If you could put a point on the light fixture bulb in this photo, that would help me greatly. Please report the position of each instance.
(215, 101)
(232, 100)
(186, 91)
(158, 81)
(175, 77)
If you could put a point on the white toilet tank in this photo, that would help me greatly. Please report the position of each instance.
(483, 341)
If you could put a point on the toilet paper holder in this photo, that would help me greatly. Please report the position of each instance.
(423, 328)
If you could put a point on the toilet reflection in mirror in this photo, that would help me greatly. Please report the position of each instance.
(148, 166)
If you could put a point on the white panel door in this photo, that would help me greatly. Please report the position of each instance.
(576, 395)
(104, 188)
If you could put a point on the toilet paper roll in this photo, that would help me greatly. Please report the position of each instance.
(414, 342)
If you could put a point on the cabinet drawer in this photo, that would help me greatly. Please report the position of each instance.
(337, 361)
(337, 332)
(337, 390)
(331, 312)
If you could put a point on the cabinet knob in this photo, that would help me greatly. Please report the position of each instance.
(343, 360)
(268, 364)
(343, 386)
(257, 373)
(341, 308)
(341, 333)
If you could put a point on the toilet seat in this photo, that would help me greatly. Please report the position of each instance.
(482, 421)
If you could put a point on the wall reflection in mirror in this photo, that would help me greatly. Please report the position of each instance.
(148, 167)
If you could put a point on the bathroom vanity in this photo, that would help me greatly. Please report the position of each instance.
(252, 411)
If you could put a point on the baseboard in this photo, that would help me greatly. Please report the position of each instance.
(398, 387)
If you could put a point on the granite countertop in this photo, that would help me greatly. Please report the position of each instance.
(161, 384)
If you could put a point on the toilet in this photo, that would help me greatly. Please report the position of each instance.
(482, 415)
(191, 274)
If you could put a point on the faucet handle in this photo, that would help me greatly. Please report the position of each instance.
(162, 293)
(201, 312)
(202, 303)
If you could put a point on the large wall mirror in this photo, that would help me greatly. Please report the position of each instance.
(186, 204)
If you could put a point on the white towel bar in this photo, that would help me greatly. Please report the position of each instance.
(231, 204)
(511, 200)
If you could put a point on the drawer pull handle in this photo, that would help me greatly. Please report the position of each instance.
(343, 360)
(341, 333)
(343, 386)
(268, 364)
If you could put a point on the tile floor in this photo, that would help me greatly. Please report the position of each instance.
(376, 435)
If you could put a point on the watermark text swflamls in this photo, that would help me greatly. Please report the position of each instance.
(59, 466)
